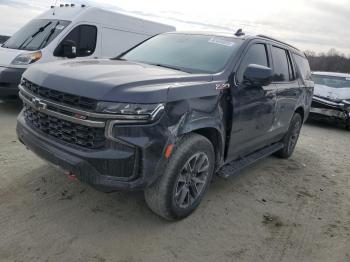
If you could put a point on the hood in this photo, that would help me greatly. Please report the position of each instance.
(332, 93)
(7, 55)
(110, 80)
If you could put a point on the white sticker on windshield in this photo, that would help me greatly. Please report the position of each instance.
(348, 79)
(59, 27)
(221, 42)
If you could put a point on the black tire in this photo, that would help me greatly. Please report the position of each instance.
(167, 197)
(290, 140)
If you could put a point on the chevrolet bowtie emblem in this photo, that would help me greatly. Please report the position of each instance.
(38, 104)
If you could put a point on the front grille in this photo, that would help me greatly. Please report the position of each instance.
(88, 137)
(57, 96)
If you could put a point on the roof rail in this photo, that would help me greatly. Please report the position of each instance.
(279, 41)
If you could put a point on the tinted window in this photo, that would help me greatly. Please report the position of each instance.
(303, 66)
(332, 81)
(85, 37)
(190, 53)
(256, 55)
(36, 35)
(281, 64)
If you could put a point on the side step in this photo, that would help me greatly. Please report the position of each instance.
(235, 166)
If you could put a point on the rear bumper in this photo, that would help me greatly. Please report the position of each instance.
(94, 167)
(10, 78)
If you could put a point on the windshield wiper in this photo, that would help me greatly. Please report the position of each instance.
(171, 67)
(52, 31)
(31, 38)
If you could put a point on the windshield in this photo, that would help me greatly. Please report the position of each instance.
(189, 53)
(36, 35)
(332, 81)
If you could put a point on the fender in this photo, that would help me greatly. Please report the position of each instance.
(205, 116)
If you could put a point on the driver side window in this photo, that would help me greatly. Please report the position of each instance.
(84, 36)
(257, 54)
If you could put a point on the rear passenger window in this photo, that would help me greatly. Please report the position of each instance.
(283, 68)
(85, 37)
(256, 55)
(303, 66)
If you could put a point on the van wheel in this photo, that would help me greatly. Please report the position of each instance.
(291, 138)
(187, 176)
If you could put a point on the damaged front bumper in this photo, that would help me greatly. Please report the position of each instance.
(327, 109)
(9, 80)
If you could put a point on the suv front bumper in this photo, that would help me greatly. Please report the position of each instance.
(10, 78)
(86, 165)
(329, 110)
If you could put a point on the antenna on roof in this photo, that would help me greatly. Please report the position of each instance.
(240, 32)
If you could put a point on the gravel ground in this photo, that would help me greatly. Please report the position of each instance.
(277, 210)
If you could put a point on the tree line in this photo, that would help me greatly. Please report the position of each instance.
(333, 61)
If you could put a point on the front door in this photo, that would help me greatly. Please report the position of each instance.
(253, 107)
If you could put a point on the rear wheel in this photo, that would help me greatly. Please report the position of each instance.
(291, 138)
(186, 179)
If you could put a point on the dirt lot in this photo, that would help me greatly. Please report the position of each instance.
(277, 210)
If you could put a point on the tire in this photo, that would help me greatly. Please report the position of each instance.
(291, 138)
(187, 176)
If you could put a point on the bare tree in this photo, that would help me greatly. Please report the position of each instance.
(333, 61)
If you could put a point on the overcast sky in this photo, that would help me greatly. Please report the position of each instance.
(317, 25)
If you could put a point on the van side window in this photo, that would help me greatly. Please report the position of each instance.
(85, 37)
(283, 71)
(257, 54)
(303, 66)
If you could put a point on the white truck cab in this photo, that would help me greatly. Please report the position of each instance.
(70, 31)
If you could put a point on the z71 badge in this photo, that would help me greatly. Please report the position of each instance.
(222, 86)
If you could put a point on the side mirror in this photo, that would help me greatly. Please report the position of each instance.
(257, 76)
(69, 48)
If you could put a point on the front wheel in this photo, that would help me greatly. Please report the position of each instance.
(291, 138)
(188, 173)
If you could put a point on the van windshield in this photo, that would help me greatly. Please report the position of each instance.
(190, 53)
(36, 35)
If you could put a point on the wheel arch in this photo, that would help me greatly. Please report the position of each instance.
(215, 137)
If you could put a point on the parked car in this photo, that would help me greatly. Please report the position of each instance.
(332, 97)
(70, 31)
(168, 114)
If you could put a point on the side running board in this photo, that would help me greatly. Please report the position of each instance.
(235, 166)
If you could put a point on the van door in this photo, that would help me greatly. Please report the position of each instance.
(85, 38)
(253, 107)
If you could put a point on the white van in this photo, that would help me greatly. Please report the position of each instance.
(70, 31)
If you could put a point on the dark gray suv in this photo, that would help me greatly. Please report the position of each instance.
(168, 114)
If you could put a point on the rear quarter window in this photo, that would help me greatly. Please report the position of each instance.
(303, 66)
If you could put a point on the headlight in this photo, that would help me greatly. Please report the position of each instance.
(132, 112)
(26, 59)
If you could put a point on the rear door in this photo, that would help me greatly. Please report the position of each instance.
(288, 89)
(253, 107)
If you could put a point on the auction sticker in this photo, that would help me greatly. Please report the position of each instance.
(219, 41)
(59, 27)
